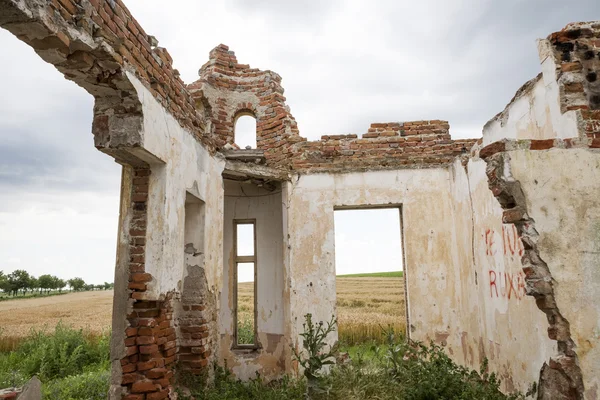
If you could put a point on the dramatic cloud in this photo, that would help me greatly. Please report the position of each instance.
(344, 63)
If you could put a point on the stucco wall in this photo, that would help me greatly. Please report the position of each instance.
(462, 264)
(428, 229)
(513, 332)
(563, 201)
(247, 201)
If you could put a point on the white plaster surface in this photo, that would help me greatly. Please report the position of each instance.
(563, 200)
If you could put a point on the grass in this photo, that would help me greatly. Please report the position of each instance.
(74, 365)
(395, 371)
(71, 363)
(393, 274)
(6, 297)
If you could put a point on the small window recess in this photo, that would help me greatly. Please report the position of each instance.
(244, 289)
(245, 130)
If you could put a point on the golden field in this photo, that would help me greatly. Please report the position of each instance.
(88, 310)
(365, 304)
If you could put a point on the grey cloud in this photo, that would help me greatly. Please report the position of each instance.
(288, 11)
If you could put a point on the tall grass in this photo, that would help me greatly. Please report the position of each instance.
(63, 359)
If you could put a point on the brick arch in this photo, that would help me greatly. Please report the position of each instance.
(246, 111)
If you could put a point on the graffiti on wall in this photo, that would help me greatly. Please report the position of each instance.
(503, 284)
(511, 242)
(507, 285)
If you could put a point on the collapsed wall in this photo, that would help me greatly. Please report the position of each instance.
(479, 263)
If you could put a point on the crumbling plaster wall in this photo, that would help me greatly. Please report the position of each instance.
(512, 332)
(563, 202)
(178, 164)
(428, 230)
(547, 188)
(247, 201)
(453, 237)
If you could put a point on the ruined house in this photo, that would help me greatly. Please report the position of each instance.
(501, 234)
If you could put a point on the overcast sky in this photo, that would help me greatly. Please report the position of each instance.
(344, 65)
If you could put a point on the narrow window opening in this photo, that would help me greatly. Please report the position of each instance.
(369, 274)
(245, 132)
(245, 282)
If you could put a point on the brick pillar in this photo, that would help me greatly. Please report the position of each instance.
(150, 338)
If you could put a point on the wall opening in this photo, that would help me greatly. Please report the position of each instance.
(253, 304)
(245, 282)
(369, 274)
(194, 229)
(245, 131)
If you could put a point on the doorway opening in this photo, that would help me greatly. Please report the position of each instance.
(369, 274)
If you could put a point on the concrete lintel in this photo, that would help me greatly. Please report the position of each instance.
(245, 155)
(242, 169)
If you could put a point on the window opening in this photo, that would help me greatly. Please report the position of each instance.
(369, 274)
(245, 132)
(245, 282)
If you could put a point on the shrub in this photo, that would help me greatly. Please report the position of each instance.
(91, 385)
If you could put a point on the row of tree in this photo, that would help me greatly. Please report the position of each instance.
(21, 281)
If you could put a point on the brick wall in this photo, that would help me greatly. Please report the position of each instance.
(231, 89)
(577, 55)
(414, 144)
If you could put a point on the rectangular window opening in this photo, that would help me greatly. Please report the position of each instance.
(369, 274)
(245, 283)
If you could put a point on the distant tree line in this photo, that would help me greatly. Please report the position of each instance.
(20, 281)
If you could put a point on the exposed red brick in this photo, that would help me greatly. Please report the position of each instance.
(492, 149)
(541, 144)
(143, 387)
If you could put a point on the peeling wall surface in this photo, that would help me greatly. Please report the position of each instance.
(501, 234)
(568, 221)
(427, 230)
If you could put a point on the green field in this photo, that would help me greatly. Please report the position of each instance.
(394, 274)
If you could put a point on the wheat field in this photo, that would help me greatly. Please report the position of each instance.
(88, 310)
(364, 305)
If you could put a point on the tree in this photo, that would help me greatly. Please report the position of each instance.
(76, 284)
(45, 282)
(58, 284)
(19, 279)
(33, 283)
(3, 282)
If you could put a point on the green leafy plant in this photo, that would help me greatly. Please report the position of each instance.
(92, 385)
(316, 355)
(62, 353)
